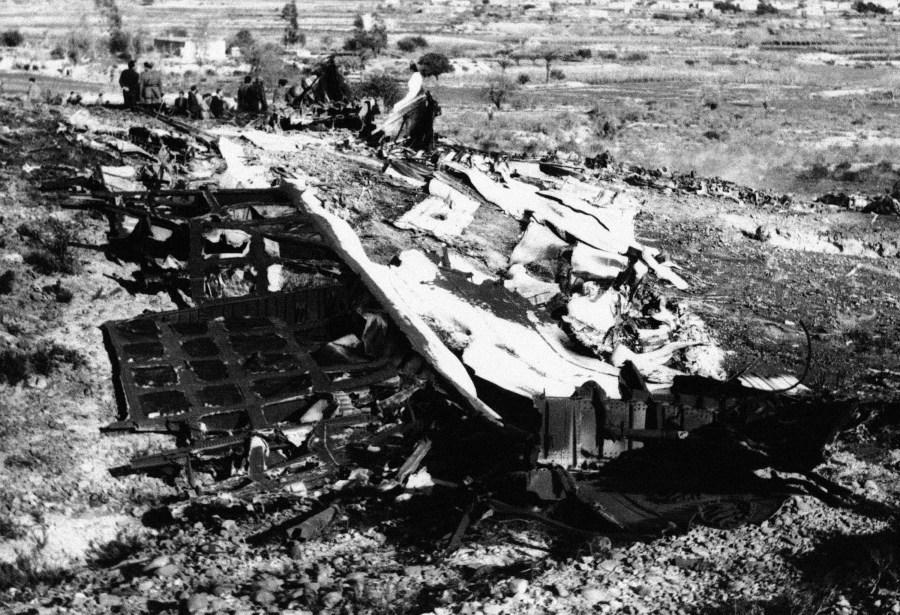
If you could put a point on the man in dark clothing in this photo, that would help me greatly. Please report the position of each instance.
(217, 105)
(180, 107)
(151, 85)
(130, 80)
(244, 94)
(194, 107)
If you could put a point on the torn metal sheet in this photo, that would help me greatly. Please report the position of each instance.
(609, 229)
(592, 264)
(412, 173)
(774, 384)
(444, 214)
(390, 293)
(537, 243)
(500, 338)
(120, 179)
(535, 290)
(596, 310)
(516, 198)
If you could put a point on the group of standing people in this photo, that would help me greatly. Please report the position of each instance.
(146, 88)
(141, 88)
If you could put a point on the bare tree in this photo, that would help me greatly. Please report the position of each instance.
(498, 88)
(504, 61)
(549, 55)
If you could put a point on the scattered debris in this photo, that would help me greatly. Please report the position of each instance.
(301, 365)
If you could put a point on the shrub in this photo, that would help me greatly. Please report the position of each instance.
(636, 56)
(869, 7)
(764, 8)
(52, 255)
(523, 78)
(120, 43)
(379, 86)
(11, 38)
(17, 365)
(584, 53)
(26, 573)
(265, 61)
(374, 39)
(434, 65)
(411, 43)
(608, 55)
(557, 74)
(78, 45)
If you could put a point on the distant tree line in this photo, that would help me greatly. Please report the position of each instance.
(726, 7)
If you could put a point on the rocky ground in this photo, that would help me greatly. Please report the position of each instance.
(75, 540)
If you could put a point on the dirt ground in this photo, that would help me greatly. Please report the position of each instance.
(76, 540)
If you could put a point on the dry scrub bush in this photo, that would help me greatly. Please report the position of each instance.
(18, 365)
(11, 38)
(411, 43)
(384, 87)
(52, 254)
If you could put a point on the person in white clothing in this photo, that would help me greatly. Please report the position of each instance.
(415, 86)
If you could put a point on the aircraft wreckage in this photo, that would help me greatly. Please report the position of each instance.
(542, 391)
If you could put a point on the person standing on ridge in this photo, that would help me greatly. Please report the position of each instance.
(244, 95)
(194, 107)
(33, 94)
(151, 85)
(217, 104)
(130, 82)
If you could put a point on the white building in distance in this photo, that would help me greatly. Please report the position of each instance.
(190, 50)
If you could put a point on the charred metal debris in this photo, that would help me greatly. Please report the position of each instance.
(298, 365)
